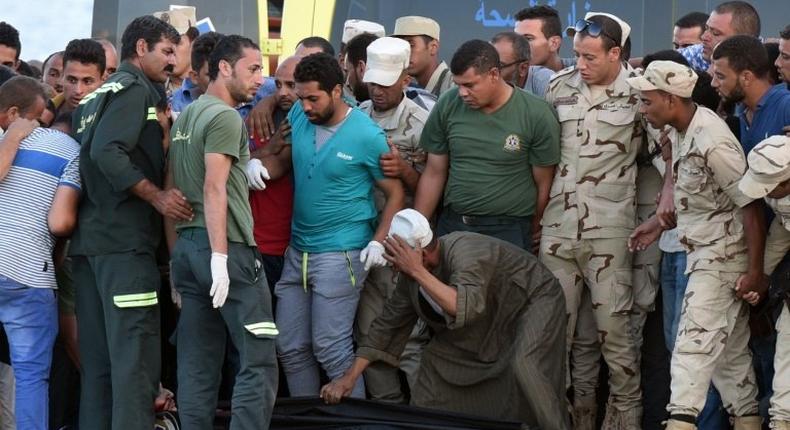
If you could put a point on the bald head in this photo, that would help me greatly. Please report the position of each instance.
(284, 79)
(111, 57)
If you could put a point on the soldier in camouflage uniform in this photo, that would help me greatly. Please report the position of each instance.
(721, 229)
(402, 120)
(769, 177)
(592, 210)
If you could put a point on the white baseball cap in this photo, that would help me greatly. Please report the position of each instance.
(412, 227)
(355, 27)
(388, 57)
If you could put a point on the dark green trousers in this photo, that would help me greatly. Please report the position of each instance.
(118, 322)
(201, 335)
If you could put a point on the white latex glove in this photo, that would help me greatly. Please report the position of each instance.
(220, 281)
(373, 255)
(174, 295)
(256, 174)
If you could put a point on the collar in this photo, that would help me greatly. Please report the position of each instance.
(435, 76)
(688, 136)
(768, 97)
(390, 120)
(618, 88)
(141, 77)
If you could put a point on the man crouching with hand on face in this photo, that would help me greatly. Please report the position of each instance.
(499, 321)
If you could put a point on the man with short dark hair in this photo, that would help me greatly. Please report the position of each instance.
(312, 45)
(355, 59)
(592, 211)
(335, 157)
(514, 58)
(114, 246)
(39, 194)
(727, 19)
(487, 152)
(215, 266)
(10, 46)
(428, 71)
(83, 72)
(783, 60)
(723, 233)
(688, 29)
(542, 28)
(741, 75)
(197, 82)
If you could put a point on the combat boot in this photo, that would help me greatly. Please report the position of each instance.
(751, 422)
(584, 413)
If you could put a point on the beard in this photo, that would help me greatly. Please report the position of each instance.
(736, 95)
(321, 118)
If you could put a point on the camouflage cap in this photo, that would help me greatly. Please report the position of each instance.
(355, 27)
(416, 26)
(769, 166)
(668, 76)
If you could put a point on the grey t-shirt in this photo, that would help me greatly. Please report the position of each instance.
(538, 80)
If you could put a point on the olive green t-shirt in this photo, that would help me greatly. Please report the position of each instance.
(491, 155)
(206, 126)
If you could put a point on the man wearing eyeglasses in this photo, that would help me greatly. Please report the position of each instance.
(514, 56)
(592, 207)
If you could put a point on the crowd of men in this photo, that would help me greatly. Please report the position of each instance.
(477, 237)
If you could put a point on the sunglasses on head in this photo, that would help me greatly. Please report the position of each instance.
(594, 29)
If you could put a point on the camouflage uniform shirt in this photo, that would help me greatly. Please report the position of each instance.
(707, 163)
(593, 193)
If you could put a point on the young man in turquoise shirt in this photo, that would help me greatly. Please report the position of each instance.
(334, 240)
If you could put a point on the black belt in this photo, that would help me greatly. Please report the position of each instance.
(485, 220)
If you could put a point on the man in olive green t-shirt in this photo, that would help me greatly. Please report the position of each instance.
(215, 263)
(495, 146)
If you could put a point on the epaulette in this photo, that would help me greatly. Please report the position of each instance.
(117, 83)
(564, 72)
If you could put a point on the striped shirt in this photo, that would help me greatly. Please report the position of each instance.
(45, 160)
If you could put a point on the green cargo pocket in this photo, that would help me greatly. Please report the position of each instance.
(136, 300)
(622, 299)
(263, 329)
(702, 328)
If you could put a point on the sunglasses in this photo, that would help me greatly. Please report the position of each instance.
(594, 29)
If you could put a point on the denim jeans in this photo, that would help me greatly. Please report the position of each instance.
(317, 299)
(30, 318)
(673, 287)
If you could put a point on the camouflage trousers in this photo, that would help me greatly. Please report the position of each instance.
(712, 345)
(383, 381)
(604, 266)
(780, 401)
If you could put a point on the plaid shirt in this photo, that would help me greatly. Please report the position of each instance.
(693, 54)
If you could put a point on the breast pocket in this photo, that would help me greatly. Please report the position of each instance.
(615, 131)
(571, 123)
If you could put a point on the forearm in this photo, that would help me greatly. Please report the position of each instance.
(216, 211)
(429, 191)
(395, 200)
(410, 178)
(356, 369)
(444, 295)
(277, 165)
(145, 190)
(754, 229)
(9, 145)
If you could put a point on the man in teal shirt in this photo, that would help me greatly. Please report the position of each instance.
(216, 267)
(334, 240)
